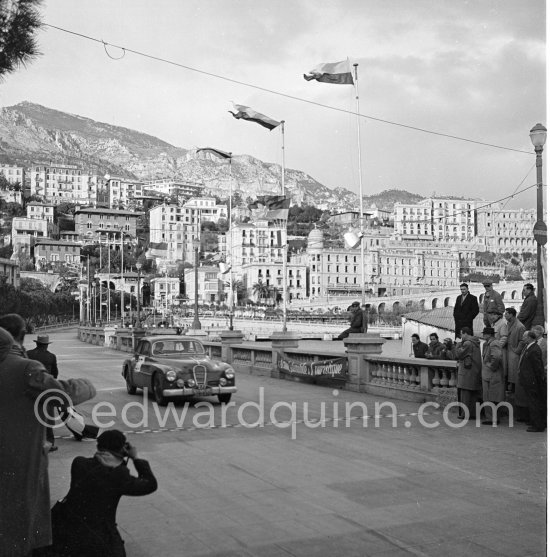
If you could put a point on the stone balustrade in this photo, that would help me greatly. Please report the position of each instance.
(369, 371)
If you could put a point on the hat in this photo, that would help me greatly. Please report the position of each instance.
(112, 440)
(488, 331)
(42, 339)
(487, 283)
(355, 305)
(530, 286)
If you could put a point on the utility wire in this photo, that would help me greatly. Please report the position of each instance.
(279, 93)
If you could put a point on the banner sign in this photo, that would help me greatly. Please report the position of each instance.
(330, 369)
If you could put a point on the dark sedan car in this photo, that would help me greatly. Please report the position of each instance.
(175, 366)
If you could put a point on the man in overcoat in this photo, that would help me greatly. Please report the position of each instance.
(514, 346)
(492, 372)
(531, 377)
(25, 522)
(356, 321)
(492, 303)
(468, 355)
(528, 307)
(465, 310)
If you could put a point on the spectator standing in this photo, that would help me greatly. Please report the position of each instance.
(24, 488)
(541, 341)
(449, 349)
(492, 372)
(435, 348)
(514, 346)
(84, 524)
(420, 349)
(528, 307)
(356, 321)
(468, 355)
(49, 361)
(531, 377)
(364, 318)
(465, 310)
(492, 303)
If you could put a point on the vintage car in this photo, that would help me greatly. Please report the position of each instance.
(177, 366)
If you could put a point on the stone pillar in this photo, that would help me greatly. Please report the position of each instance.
(280, 342)
(109, 336)
(357, 346)
(228, 338)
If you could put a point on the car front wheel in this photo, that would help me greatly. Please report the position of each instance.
(158, 387)
(224, 398)
(130, 388)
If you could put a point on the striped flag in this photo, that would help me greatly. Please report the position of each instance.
(157, 249)
(335, 72)
(217, 152)
(247, 113)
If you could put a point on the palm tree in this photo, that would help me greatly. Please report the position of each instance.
(261, 290)
(19, 21)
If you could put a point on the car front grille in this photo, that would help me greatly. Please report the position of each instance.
(200, 375)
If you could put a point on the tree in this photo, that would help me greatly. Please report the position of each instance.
(19, 21)
(261, 290)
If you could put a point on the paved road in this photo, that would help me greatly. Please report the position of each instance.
(375, 486)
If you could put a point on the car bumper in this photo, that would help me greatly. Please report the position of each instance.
(188, 391)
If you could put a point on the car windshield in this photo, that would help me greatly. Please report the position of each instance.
(175, 348)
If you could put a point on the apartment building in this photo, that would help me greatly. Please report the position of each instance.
(209, 285)
(51, 252)
(207, 209)
(15, 175)
(177, 227)
(91, 223)
(36, 210)
(9, 269)
(271, 275)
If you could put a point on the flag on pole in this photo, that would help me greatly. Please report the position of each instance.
(333, 72)
(219, 153)
(157, 249)
(247, 113)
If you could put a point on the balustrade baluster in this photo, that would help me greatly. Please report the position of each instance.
(435, 380)
(452, 380)
(401, 374)
(444, 383)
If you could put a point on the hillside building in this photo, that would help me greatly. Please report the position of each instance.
(36, 210)
(15, 176)
(9, 269)
(210, 287)
(94, 223)
(207, 209)
(48, 253)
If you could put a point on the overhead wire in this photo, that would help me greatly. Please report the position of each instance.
(280, 93)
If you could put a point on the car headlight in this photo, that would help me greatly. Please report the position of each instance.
(230, 373)
(191, 383)
(180, 383)
(171, 375)
(223, 381)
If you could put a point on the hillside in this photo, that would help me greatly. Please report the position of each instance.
(33, 133)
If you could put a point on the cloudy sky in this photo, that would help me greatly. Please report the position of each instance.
(468, 68)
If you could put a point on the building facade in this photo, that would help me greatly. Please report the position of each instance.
(10, 270)
(210, 287)
(36, 210)
(207, 209)
(271, 275)
(91, 223)
(48, 253)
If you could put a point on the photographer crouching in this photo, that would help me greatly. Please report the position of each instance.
(84, 522)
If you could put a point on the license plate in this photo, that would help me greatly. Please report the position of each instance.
(203, 392)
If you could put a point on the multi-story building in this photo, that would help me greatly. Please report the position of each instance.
(207, 208)
(119, 193)
(171, 188)
(10, 270)
(436, 218)
(177, 227)
(271, 275)
(25, 232)
(260, 242)
(507, 230)
(209, 285)
(36, 210)
(15, 175)
(391, 270)
(58, 183)
(51, 252)
(166, 291)
(93, 222)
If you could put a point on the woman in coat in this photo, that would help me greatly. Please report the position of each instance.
(468, 355)
(84, 525)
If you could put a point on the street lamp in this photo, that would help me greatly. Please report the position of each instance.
(138, 322)
(196, 323)
(538, 138)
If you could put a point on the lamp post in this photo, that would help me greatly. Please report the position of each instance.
(538, 138)
(196, 323)
(138, 322)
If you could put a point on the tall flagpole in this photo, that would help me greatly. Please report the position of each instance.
(285, 246)
(231, 296)
(363, 295)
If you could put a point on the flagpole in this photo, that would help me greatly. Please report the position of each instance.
(285, 246)
(363, 295)
(231, 299)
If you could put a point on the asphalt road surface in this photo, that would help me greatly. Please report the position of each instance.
(295, 476)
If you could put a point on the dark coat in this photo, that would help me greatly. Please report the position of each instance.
(420, 349)
(469, 378)
(465, 312)
(47, 359)
(435, 349)
(24, 488)
(528, 311)
(87, 526)
(492, 372)
(532, 379)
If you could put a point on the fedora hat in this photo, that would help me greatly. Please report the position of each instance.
(42, 339)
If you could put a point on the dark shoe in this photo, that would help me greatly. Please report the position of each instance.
(534, 430)
(77, 437)
(52, 449)
(490, 422)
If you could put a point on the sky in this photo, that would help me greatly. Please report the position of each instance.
(475, 69)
